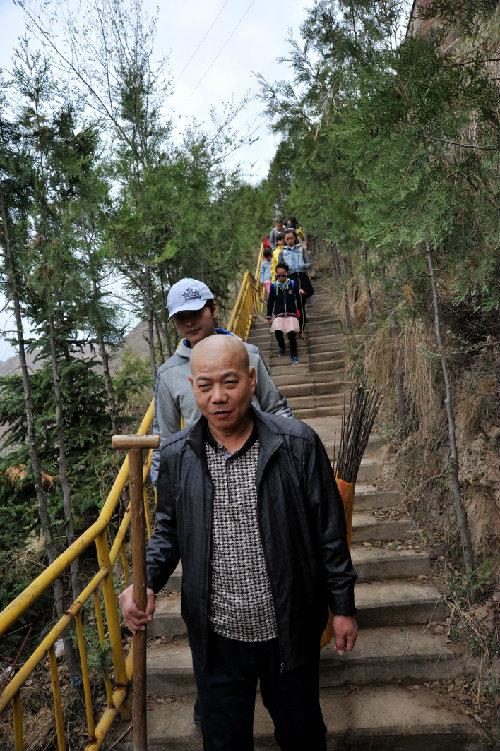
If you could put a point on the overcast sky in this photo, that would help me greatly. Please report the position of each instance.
(213, 48)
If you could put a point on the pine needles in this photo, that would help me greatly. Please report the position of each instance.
(356, 426)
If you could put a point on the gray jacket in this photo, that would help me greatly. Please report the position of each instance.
(297, 258)
(174, 396)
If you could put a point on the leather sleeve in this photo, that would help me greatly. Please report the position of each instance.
(329, 528)
(162, 552)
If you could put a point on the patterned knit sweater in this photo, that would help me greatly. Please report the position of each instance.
(241, 604)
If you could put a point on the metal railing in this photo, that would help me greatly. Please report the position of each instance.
(100, 588)
(250, 300)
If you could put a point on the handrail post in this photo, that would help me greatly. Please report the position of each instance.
(134, 444)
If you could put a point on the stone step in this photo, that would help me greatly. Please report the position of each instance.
(367, 528)
(382, 656)
(316, 332)
(321, 336)
(369, 497)
(307, 365)
(374, 564)
(322, 318)
(305, 355)
(314, 400)
(311, 389)
(267, 343)
(385, 718)
(315, 347)
(315, 315)
(370, 563)
(287, 377)
(397, 604)
(378, 603)
(305, 350)
(304, 413)
(317, 325)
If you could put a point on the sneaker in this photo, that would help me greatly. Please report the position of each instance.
(281, 352)
(295, 361)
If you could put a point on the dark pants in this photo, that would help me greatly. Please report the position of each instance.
(226, 697)
(303, 282)
(301, 307)
(292, 338)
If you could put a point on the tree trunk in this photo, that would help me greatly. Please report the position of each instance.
(461, 516)
(63, 472)
(346, 297)
(151, 337)
(159, 337)
(43, 512)
(368, 292)
(398, 368)
(165, 311)
(113, 413)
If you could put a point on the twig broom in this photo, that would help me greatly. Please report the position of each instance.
(357, 422)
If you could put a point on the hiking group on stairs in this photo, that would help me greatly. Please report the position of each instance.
(285, 274)
(234, 505)
(217, 513)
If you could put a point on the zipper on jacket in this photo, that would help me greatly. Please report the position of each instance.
(282, 667)
(228, 489)
(207, 576)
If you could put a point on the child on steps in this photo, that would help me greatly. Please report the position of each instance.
(284, 303)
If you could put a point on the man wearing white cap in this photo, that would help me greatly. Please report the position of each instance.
(192, 306)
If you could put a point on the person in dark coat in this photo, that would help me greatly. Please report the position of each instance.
(248, 502)
(284, 303)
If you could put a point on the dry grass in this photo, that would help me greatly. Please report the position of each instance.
(420, 375)
(380, 357)
(477, 400)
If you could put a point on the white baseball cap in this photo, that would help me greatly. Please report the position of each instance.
(187, 294)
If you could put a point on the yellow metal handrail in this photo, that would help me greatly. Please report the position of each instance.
(249, 302)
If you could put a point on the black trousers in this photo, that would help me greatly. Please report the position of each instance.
(292, 338)
(303, 282)
(226, 697)
(301, 302)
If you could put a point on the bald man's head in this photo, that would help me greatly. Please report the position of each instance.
(217, 346)
(223, 381)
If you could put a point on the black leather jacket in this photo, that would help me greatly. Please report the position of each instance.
(301, 521)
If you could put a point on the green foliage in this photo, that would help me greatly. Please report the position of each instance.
(22, 558)
(371, 139)
(87, 428)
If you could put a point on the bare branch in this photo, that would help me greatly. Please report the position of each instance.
(463, 145)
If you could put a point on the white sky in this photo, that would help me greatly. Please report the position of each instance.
(245, 37)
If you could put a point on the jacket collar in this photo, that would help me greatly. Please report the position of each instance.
(269, 441)
(184, 348)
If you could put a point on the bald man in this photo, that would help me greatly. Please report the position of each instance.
(249, 503)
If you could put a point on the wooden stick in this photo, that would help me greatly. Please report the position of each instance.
(135, 444)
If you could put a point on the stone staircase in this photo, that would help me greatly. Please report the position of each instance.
(380, 696)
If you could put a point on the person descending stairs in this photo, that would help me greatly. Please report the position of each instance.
(378, 697)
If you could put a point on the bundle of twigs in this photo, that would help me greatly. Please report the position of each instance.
(356, 426)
